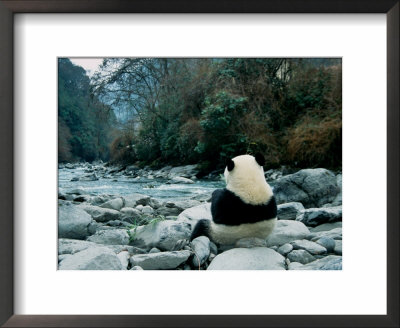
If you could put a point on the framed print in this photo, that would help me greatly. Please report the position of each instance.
(42, 42)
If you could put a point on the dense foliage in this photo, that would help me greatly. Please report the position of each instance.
(84, 123)
(179, 111)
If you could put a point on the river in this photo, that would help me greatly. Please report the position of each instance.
(123, 185)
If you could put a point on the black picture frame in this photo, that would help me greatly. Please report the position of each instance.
(10, 7)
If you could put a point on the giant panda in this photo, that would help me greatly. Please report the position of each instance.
(245, 208)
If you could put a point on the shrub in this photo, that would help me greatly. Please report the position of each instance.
(314, 142)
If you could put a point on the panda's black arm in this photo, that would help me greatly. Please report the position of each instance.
(222, 206)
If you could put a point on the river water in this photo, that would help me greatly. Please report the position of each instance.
(123, 185)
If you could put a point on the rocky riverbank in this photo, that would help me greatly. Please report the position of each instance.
(136, 231)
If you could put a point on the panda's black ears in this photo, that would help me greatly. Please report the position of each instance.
(230, 164)
(260, 159)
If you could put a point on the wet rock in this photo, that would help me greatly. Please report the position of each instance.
(257, 258)
(89, 177)
(82, 198)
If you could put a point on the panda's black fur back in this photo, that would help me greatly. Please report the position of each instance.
(228, 208)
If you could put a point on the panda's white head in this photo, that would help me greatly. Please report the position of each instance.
(244, 176)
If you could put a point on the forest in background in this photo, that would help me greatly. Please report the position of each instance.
(166, 111)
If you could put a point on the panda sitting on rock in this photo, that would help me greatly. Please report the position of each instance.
(245, 208)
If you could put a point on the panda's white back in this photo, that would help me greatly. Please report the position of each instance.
(247, 181)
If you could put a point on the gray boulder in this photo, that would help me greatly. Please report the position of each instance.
(301, 256)
(101, 214)
(334, 234)
(160, 261)
(110, 237)
(250, 242)
(309, 246)
(289, 211)
(257, 258)
(331, 262)
(204, 197)
(185, 204)
(124, 258)
(135, 199)
(72, 246)
(168, 211)
(294, 265)
(124, 248)
(338, 199)
(338, 247)
(73, 222)
(326, 226)
(99, 199)
(285, 249)
(315, 216)
(114, 204)
(194, 214)
(163, 234)
(147, 210)
(93, 258)
(131, 215)
(201, 248)
(183, 171)
(311, 187)
(286, 231)
(327, 242)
